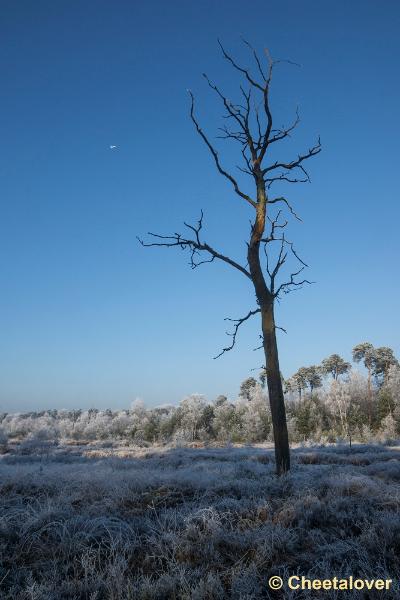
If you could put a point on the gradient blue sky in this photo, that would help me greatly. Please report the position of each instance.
(90, 318)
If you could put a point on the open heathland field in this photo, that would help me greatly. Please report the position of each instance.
(104, 521)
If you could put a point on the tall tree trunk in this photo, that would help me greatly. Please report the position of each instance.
(275, 391)
(265, 301)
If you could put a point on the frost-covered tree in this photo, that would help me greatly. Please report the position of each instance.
(254, 415)
(192, 415)
(313, 377)
(384, 358)
(298, 381)
(389, 429)
(393, 383)
(345, 410)
(227, 422)
(221, 399)
(335, 365)
(365, 352)
(263, 377)
(304, 420)
(377, 361)
(339, 400)
(246, 387)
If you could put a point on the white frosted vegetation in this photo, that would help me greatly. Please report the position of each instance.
(106, 521)
(344, 410)
(182, 502)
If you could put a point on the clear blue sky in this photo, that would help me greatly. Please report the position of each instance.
(90, 318)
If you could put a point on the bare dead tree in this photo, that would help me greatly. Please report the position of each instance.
(251, 127)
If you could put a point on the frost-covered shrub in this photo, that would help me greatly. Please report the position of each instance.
(192, 409)
(389, 430)
(39, 443)
(255, 415)
(227, 422)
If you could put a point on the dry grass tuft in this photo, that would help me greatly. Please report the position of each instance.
(97, 522)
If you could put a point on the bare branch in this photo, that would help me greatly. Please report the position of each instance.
(238, 323)
(238, 68)
(255, 55)
(264, 88)
(239, 136)
(246, 171)
(247, 160)
(285, 201)
(281, 257)
(260, 136)
(267, 109)
(281, 328)
(295, 163)
(196, 246)
(289, 286)
(285, 132)
(232, 109)
(257, 348)
(242, 118)
(279, 263)
(274, 225)
(295, 254)
(216, 158)
(284, 177)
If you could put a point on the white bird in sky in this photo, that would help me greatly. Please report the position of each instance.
(112, 147)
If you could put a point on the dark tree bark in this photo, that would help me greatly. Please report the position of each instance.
(253, 131)
(265, 300)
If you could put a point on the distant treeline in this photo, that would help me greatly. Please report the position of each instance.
(346, 405)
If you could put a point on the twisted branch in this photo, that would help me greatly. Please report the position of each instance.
(238, 323)
(196, 246)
